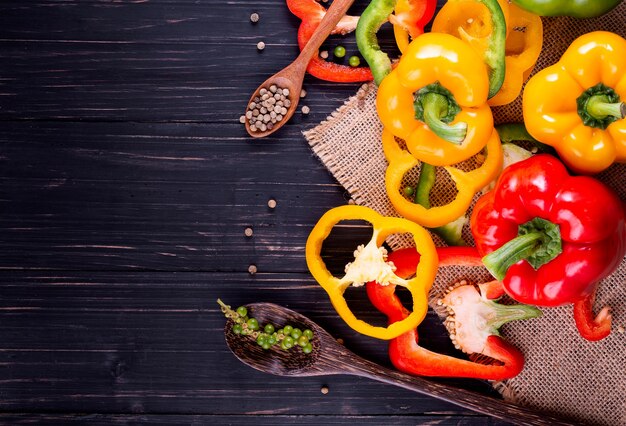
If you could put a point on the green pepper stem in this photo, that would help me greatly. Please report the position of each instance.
(508, 313)
(436, 106)
(599, 108)
(521, 247)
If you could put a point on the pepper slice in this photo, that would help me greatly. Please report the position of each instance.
(481, 24)
(574, 8)
(467, 183)
(586, 122)
(372, 18)
(523, 45)
(370, 265)
(590, 327)
(405, 352)
(436, 100)
(311, 13)
(410, 18)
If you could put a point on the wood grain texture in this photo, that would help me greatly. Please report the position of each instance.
(126, 184)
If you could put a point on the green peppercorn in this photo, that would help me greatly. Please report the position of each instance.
(308, 333)
(339, 52)
(307, 349)
(408, 190)
(242, 310)
(296, 333)
(354, 61)
(253, 324)
(237, 328)
(287, 330)
(269, 328)
(303, 341)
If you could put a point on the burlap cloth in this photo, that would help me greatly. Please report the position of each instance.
(564, 373)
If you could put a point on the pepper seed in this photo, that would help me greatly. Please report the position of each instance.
(324, 54)
(242, 119)
(248, 232)
(303, 93)
(254, 18)
(324, 389)
(260, 45)
(252, 269)
(271, 203)
(306, 110)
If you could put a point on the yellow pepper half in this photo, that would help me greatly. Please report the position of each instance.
(523, 45)
(576, 105)
(467, 183)
(370, 264)
(436, 100)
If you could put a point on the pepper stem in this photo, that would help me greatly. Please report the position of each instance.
(538, 242)
(508, 313)
(599, 107)
(499, 261)
(435, 107)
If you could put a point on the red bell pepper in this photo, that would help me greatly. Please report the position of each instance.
(551, 237)
(405, 352)
(311, 13)
(548, 236)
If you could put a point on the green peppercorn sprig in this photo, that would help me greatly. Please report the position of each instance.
(287, 337)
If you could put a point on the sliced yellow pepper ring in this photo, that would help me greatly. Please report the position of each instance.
(370, 265)
(467, 183)
(523, 46)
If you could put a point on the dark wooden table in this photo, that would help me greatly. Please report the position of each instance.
(127, 183)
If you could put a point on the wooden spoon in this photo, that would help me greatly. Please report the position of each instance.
(329, 358)
(291, 77)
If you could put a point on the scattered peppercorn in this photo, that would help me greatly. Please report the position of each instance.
(324, 390)
(303, 93)
(260, 45)
(254, 18)
(306, 110)
(248, 232)
(252, 269)
(324, 54)
(354, 61)
(271, 203)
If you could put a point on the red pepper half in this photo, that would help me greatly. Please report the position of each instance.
(405, 352)
(548, 236)
(311, 13)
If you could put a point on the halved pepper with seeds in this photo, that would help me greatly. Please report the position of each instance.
(370, 264)
(473, 322)
(436, 100)
(577, 105)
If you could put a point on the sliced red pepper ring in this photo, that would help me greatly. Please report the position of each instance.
(370, 264)
(408, 356)
(467, 183)
(311, 13)
(590, 327)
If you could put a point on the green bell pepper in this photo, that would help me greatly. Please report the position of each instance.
(574, 8)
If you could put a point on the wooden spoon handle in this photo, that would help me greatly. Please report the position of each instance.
(335, 12)
(472, 400)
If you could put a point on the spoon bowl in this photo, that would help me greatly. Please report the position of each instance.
(292, 76)
(329, 357)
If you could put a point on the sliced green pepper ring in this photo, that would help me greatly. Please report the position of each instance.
(467, 183)
(370, 265)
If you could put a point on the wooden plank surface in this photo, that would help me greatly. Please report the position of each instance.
(126, 184)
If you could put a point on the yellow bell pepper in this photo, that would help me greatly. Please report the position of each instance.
(436, 100)
(467, 183)
(370, 265)
(523, 45)
(576, 105)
